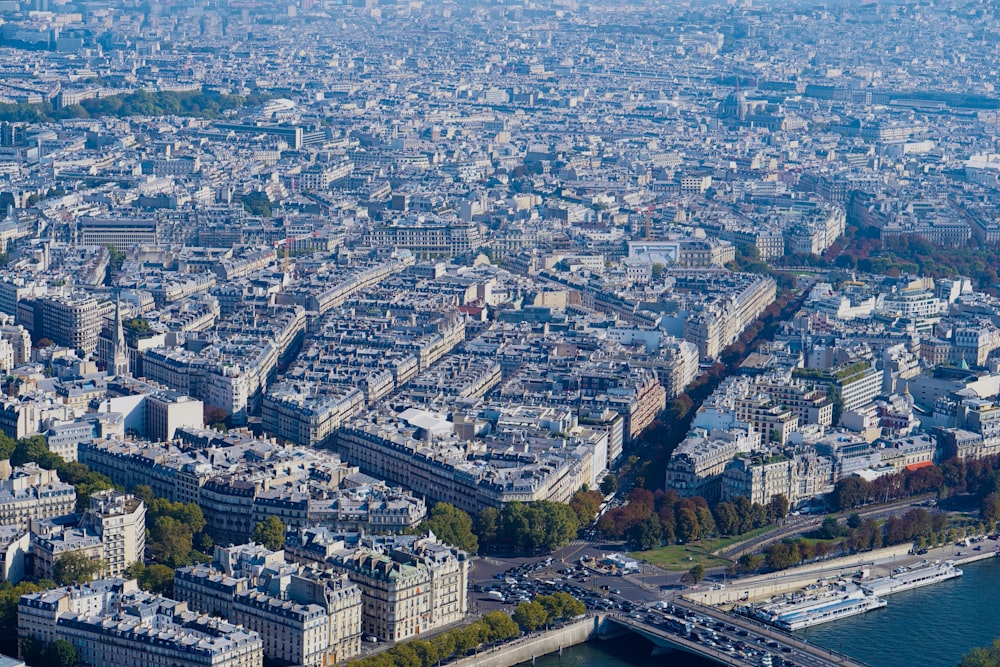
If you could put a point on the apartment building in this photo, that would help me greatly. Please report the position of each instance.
(31, 492)
(304, 617)
(111, 623)
(717, 323)
(120, 521)
(302, 415)
(760, 479)
(409, 586)
(428, 240)
(72, 320)
(697, 465)
(15, 543)
(111, 530)
(121, 233)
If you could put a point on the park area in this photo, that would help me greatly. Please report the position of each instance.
(682, 557)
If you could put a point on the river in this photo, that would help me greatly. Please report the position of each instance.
(931, 627)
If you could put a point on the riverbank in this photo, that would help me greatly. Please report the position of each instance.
(528, 648)
(776, 583)
(879, 563)
(934, 625)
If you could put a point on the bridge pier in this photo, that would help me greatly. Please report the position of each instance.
(607, 629)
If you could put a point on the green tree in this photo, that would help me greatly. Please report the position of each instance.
(830, 528)
(444, 644)
(190, 515)
(727, 522)
(744, 510)
(559, 525)
(452, 526)
(988, 656)
(749, 562)
(34, 449)
(777, 508)
(144, 493)
(514, 527)
(687, 525)
(377, 660)
(426, 652)
(541, 526)
(187, 513)
(204, 543)
(781, 555)
(697, 573)
(117, 259)
(257, 203)
(706, 523)
(989, 508)
(647, 534)
(171, 541)
(154, 578)
(487, 525)
(552, 606)
(9, 595)
(75, 567)
(758, 516)
(585, 504)
(72, 472)
(7, 447)
(499, 627)
(567, 606)
(32, 650)
(609, 484)
(467, 638)
(530, 616)
(404, 655)
(60, 653)
(191, 520)
(270, 532)
(849, 492)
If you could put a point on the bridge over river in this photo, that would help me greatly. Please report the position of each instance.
(724, 638)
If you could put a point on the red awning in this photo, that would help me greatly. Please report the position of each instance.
(918, 466)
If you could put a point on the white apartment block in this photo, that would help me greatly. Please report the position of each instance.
(120, 520)
(304, 617)
(111, 623)
(409, 589)
(31, 492)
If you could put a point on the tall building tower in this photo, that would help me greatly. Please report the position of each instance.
(120, 519)
(120, 366)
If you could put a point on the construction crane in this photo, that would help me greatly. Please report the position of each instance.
(286, 244)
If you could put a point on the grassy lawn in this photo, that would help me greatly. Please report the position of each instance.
(717, 544)
(684, 556)
(813, 541)
(680, 557)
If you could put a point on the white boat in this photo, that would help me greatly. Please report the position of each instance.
(804, 612)
(904, 580)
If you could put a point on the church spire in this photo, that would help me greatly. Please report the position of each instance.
(120, 365)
